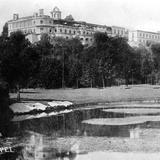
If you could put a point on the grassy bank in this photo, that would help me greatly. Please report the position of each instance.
(92, 95)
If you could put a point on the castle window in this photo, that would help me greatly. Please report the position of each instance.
(65, 31)
(41, 29)
(86, 39)
(41, 21)
(60, 30)
(55, 30)
(69, 31)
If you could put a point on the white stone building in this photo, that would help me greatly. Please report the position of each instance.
(145, 38)
(37, 24)
(119, 31)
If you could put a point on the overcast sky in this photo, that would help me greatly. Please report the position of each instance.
(134, 14)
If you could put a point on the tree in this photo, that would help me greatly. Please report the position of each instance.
(144, 63)
(124, 57)
(72, 62)
(44, 46)
(31, 58)
(155, 55)
(89, 67)
(13, 68)
(155, 48)
(50, 73)
(68, 52)
(5, 30)
(107, 57)
(86, 79)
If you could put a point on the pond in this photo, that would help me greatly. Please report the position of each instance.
(106, 131)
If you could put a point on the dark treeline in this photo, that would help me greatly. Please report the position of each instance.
(57, 62)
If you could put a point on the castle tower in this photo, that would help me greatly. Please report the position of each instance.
(56, 13)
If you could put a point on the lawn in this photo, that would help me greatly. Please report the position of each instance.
(93, 95)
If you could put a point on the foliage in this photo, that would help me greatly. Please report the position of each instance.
(5, 30)
(54, 62)
(13, 67)
(50, 73)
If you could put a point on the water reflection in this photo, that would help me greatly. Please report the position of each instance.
(39, 147)
(64, 136)
(134, 133)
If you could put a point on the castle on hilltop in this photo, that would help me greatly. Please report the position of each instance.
(55, 26)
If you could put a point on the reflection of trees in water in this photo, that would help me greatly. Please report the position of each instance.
(134, 133)
(60, 125)
(104, 130)
(45, 143)
(70, 125)
(53, 127)
(40, 148)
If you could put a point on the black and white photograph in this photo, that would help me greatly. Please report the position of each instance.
(79, 80)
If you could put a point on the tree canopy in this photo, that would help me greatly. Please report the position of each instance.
(57, 62)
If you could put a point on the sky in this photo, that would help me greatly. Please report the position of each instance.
(132, 14)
